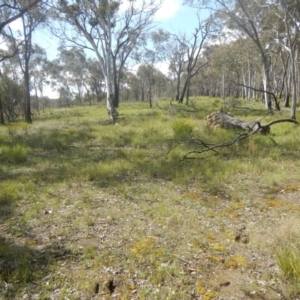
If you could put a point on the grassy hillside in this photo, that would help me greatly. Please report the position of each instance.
(91, 210)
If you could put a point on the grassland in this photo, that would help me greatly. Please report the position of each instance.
(91, 210)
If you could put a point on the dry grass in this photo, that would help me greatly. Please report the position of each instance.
(100, 211)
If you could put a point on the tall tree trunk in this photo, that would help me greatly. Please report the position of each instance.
(183, 92)
(266, 84)
(223, 83)
(109, 101)
(116, 96)
(112, 112)
(28, 118)
(37, 99)
(293, 55)
(177, 86)
(150, 97)
(254, 92)
(1, 108)
(244, 88)
(249, 79)
(188, 91)
(1, 112)
(116, 85)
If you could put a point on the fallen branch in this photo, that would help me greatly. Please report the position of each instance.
(227, 121)
(213, 147)
(221, 119)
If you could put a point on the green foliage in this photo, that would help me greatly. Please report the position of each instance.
(18, 267)
(16, 154)
(183, 129)
(288, 257)
(287, 251)
(10, 91)
(109, 171)
(9, 192)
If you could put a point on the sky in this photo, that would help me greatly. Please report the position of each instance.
(176, 17)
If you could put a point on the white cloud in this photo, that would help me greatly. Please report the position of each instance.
(50, 92)
(16, 25)
(163, 67)
(168, 10)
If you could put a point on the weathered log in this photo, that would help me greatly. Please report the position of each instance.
(227, 121)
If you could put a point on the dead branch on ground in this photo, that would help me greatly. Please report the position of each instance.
(226, 121)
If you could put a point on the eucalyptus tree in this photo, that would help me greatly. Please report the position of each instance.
(94, 81)
(237, 63)
(193, 46)
(172, 50)
(145, 72)
(224, 61)
(111, 29)
(134, 84)
(248, 19)
(10, 11)
(20, 41)
(74, 67)
(38, 74)
(30, 21)
(58, 78)
(144, 75)
(11, 94)
(177, 63)
(288, 39)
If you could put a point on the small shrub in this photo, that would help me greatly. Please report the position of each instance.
(57, 144)
(24, 126)
(16, 154)
(18, 265)
(107, 171)
(288, 258)
(9, 192)
(12, 129)
(287, 253)
(150, 132)
(183, 129)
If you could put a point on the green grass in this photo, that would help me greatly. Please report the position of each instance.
(183, 129)
(16, 154)
(84, 202)
(287, 252)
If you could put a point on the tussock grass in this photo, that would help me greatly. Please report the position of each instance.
(20, 264)
(183, 129)
(287, 252)
(16, 154)
(9, 192)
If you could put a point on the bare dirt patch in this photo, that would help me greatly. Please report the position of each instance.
(169, 242)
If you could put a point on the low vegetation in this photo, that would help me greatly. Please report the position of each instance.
(91, 210)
